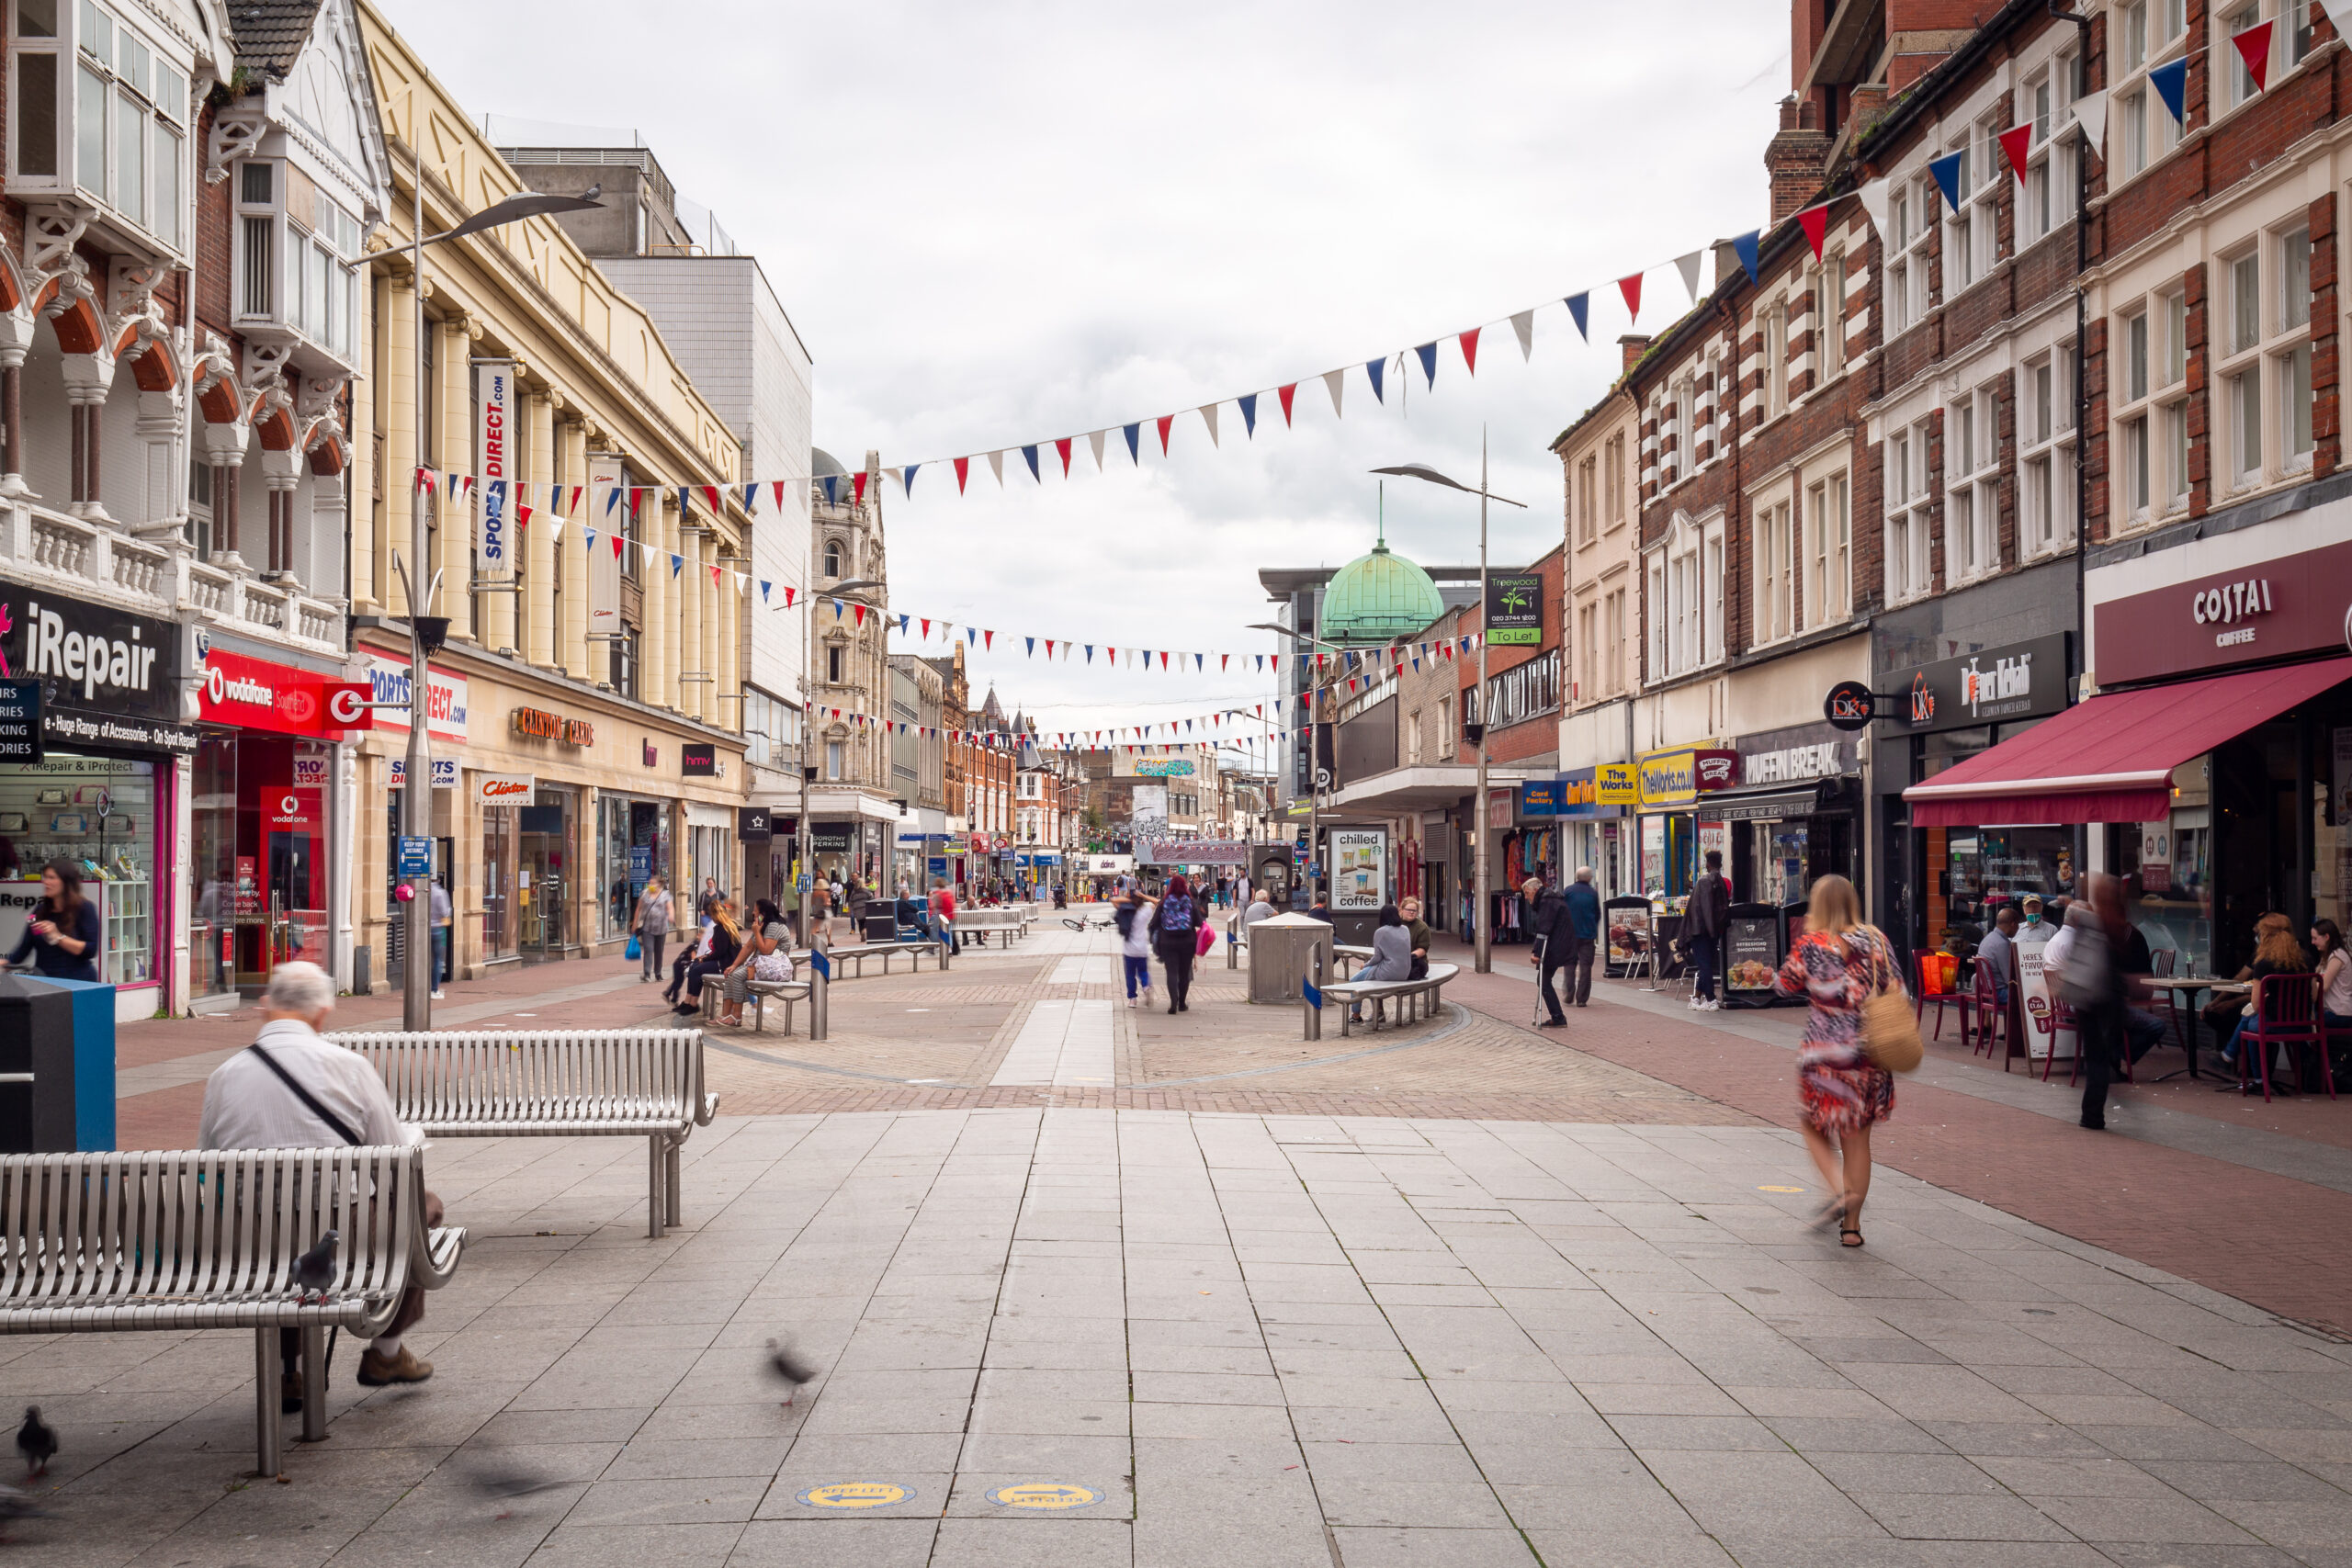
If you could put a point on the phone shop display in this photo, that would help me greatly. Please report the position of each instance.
(98, 814)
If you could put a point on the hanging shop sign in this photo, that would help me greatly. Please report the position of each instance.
(754, 822)
(609, 519)
(1850, 705)
(1581, 790)
(446, 697)
(444, 773)
(698, 760)
(108, 678)
(258, 694)
(505, 789)
(2023, 680)
(494, 469)
(1542, 797)
(538, 724)
(1514, 611)
(2266, 610)
(1680, 776)
(21, 739)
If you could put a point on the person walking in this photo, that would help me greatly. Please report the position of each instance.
(1552, 930)
(1172, 929)
(1837, 966)
(442, 917)
(1705, 918)
(62, 933)
(290, 1090)
(1132, 914)
(655, 915)
(942, 915)
(2096, 989)
(1583, 900)
(710, 896)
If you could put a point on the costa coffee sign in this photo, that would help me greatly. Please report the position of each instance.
(254, 693)
(2273, 609)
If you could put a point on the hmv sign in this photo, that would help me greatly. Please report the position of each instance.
(108, 678)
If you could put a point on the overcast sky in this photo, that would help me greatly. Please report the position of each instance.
(995, 224)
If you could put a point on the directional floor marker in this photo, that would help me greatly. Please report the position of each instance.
(856, 1494)
(1779, 1189)
(1046, 1495)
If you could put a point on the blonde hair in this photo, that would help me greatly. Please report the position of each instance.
(1833, 907)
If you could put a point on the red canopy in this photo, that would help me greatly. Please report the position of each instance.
(2110, 759)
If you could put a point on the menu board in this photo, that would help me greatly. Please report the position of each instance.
(2043, 1037)
(1629, 930)
(1751, 952)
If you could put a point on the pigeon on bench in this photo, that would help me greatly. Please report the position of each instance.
(314, 1270)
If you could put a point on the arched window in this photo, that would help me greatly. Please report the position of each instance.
(833, 558)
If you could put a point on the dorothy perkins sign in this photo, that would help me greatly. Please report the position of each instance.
(1514, 611)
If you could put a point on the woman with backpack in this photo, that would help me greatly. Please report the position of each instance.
(1174, 934)
(1132, 915)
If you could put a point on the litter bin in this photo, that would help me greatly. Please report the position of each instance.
(1284, 950)
(62, 1032)
(881, 923)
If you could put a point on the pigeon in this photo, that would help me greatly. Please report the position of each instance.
(791, 1368)
(16, 1504)
(36, 1442)
(509, 1486)
(314, 1270)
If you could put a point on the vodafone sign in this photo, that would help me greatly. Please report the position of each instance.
(254, 693)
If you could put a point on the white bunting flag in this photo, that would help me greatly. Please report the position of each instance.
(555, 529)
(2091, 109)
(1095, 441)
(1690, 268)
(1523, 325)
(996, 461)
(1873, 196)
(1208, 412)
(1335, 379)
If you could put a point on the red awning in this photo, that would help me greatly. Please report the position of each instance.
(2110, 759)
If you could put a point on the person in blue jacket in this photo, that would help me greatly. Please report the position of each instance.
(1583, 900)
(61, 931)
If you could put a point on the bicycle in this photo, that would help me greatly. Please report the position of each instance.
(1079, 923)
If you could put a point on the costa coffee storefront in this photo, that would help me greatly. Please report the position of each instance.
(267, 832)
(102, 786)
(2214, 769)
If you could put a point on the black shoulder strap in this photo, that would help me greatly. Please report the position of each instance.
(340, 1127)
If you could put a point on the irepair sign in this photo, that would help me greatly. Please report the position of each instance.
(108, 678)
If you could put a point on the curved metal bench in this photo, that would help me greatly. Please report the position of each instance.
(1413, 998)
(206, 1239)
(554, 1083)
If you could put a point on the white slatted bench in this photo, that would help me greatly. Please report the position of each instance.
(978, 924)
(567, 1083)
(914, 953)
(206, 1239)
(1414, 999)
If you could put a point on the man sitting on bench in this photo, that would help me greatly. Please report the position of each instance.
(289, 1090)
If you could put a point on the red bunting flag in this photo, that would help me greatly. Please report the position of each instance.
(1631, 288)
(1165, 420)
(1062, 447)
(1163, 659)
(1286, 393)
(1469, 342)
(1815, 221)
(522, 515)
(963, 472)
(618, 543)
(777, 483)
(926, 628)
(2017, 143)
(787, 598)
(2254, 48)
(710, 498)
(861, 615)
(714, 574)
(857, 486)
(989, 638)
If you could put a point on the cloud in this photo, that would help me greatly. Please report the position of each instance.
(1003, 224)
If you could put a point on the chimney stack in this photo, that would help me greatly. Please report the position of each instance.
(1796, 159)
(1632, 346)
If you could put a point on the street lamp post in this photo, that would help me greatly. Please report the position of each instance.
(426, 633)
(1482, 925)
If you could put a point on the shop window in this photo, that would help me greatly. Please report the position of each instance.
(98, 814)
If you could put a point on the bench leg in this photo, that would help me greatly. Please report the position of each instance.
(670, 1179)
(268, 1423)
(314, 1385)
(653, 1186)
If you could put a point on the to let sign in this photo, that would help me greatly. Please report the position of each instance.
(1514, 611)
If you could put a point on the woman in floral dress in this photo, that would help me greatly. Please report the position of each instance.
(1835, 966)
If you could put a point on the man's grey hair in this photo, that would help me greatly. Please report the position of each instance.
(297, 987)
(1584, 873)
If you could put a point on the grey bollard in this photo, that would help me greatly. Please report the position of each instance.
(1232, 949)
(817, 986)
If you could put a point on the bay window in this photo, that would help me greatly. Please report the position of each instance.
(117, 133)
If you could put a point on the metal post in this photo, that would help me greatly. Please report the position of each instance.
(269, 1370)
(417, 804)
(818, 1007)
(1481, 918)
(314, 1383)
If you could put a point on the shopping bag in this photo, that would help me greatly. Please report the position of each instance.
(1890, 1029)
(633, 952)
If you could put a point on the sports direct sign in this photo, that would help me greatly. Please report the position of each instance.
(254, 693)
(495, 458)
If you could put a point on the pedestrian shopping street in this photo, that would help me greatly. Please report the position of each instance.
(1122, 1288)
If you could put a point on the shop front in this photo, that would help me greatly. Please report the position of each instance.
(1671, 840)
(268, 834)
(2212, 771)
(1593, 823)
(1792, 816)
(99, 785)
(1956, 875)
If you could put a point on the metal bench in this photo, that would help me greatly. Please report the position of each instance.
(914, 953)
(1414, 999)
(566, 1083)
(978, 924)
(206, 1239)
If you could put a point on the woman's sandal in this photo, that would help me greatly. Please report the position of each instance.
(1832, 1213)
(1845, 1231)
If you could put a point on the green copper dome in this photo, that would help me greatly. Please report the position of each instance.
(1378, 598)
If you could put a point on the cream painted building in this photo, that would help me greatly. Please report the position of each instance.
(592, 706)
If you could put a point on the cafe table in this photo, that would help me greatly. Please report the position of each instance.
(2185, 989)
